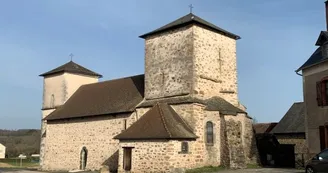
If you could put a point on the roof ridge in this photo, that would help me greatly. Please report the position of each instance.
(110, 80)
(189, 127)
(163, 119)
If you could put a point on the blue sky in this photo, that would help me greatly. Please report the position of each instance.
(37, 36)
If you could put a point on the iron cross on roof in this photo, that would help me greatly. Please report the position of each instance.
(191, 7)
(71, 55)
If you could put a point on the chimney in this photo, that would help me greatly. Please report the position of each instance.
(326, 14)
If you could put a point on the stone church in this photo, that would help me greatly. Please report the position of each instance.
(182, 113)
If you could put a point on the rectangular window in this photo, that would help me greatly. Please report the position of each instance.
(184, 147)
(127, 158)
(124, 124)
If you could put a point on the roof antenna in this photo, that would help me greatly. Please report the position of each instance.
(191, 7)
(71, 55)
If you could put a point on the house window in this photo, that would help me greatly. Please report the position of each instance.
(322, 92)
(184, 147)
(209, 132)
(127, 157)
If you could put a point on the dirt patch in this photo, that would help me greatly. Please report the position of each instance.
(5, 165)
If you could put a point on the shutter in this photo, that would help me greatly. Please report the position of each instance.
(319, 94)
(322, 137)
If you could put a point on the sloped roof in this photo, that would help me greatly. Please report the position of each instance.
(316, 57)
(293, 121)
(160, 122)
(263, 127)
(212, 104)
(190, 19)
(71, 67)
(109, 97)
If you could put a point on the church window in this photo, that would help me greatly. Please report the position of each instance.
(127, 157)
(52, 101)
(184, 147)
(322, 92)
(209, 132)
(83, 158)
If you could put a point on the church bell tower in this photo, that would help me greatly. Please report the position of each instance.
(190, 56)
(58, 86)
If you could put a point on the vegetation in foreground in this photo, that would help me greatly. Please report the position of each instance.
(206, 169)
(16, 163)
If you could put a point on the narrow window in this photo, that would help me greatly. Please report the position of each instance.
(184, 147)
(52, 101)
(125, 124)
(83, 158)
(127, 154)
(209, 132)
(322, 92)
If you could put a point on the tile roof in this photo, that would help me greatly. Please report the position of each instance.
(293, 121)
(160, 122)
(263, 127)
(109, 97)
(316, 57)
(212, 104)
(71, 67)
(191, 19)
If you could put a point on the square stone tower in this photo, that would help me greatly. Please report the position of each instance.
(59, 85)
(191, 56)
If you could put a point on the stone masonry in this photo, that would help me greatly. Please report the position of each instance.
(56, 90)
(65, 139)
(183, 61)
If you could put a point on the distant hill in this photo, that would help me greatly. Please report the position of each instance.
(26, 141)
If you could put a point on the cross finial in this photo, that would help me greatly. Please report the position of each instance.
(191, 7)
(71, 55)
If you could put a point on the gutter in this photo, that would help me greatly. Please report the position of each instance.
(298, 73)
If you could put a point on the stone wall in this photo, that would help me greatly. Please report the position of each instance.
(168, 63)
(215, 65)
(301, 151)
(57, 89)
(239, 144)
(197, 117)
(191, 60)
(65, 139)
(147, 156)
(43, 135)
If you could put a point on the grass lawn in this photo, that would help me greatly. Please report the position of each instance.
(16, 163)
(206, 169)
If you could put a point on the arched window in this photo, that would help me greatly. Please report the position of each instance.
(83, 158)
(52, 101)
(209, 132)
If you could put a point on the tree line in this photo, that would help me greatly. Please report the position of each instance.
(23, 141)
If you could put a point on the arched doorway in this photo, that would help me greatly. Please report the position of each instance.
(83, 158)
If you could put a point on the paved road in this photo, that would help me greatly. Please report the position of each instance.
(11, 170)
(262, 170)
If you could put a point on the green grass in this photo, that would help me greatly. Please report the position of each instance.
(17, 163)
(206, 169)
(253, 166)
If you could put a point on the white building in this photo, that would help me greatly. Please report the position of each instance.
(2, 151)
